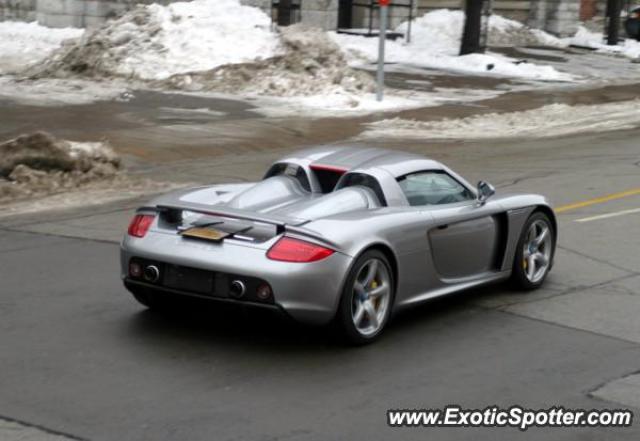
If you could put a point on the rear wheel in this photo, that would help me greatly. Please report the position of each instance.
(534, 252)
(367, 298)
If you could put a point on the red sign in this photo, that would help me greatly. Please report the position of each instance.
(384, 2)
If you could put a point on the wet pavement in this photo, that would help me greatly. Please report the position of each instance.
(153, 127)
(87, 361)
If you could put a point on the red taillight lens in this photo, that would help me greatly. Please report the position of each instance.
(288, 249)
(140, 224)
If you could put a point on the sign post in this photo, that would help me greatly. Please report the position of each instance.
(384, 14)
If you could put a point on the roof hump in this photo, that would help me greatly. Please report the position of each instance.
(348, 158)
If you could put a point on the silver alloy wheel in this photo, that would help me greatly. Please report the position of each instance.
(536, 254)
(371, 297)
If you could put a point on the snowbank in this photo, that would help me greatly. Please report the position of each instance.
(585, 37)
(211, 46)
(154, 42)
(546, 121)
(39, 164)
(24, 44)
(310, 64)
(435, 43)
(39, 172)
(507, 32)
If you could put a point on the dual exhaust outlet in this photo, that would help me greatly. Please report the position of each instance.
(237, 288)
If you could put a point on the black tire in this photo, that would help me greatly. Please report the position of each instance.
(518, 274)
(344, 320)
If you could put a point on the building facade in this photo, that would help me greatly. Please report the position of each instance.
(560, 17)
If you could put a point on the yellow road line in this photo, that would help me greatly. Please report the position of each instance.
(600, 200)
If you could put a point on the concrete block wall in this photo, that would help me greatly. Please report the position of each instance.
(561, 17)
(77, 13)
(556, 16)
(397, 15)
(514, 9)
(65, 13)
(319, 13)
(17, 10)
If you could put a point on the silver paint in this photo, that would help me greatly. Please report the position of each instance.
(434, 250)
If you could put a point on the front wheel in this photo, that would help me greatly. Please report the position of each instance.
(534, 252)
(367, 298)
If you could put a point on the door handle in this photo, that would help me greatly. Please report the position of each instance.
(443, 227)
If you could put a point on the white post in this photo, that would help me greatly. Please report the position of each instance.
(384, 11)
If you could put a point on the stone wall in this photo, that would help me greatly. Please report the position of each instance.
(559, 17)
(397, 14)
(65, 13)
(21, 10)
(556, 16)
(77, 13)
(514, 9)
(319, 13)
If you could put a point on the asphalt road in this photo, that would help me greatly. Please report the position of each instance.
(80, 357)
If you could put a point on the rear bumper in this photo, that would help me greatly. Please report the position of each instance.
(308, 292)
(132, 285)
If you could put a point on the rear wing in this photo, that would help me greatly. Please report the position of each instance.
(171, 211)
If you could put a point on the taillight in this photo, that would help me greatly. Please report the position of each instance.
(288, 249)
(140, 224)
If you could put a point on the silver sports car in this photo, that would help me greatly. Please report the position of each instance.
(338, 234)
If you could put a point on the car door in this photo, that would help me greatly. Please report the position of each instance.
(464, 240)
(464, 236)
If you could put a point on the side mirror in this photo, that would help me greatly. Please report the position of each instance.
(485, 191)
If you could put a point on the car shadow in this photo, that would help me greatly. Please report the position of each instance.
(201, 322)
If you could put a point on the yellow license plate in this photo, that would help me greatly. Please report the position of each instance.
(205, 233)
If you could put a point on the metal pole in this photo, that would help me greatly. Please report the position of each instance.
(384, 10)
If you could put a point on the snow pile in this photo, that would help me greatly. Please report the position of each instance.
(210, 45)
(39, 164)
(154, 42)
(435, 43)
(24, 44)
(585, 37)
(546, 121)
(441, 32)
(310, 64)
(507, 32)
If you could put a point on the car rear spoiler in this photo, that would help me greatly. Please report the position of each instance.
(279, 221)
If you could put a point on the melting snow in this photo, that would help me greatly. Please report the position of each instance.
(584, 37)
(546, 121)
(435, 43)
(24, 44)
